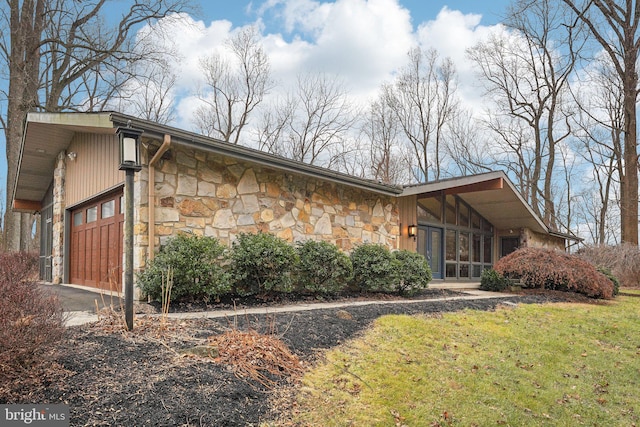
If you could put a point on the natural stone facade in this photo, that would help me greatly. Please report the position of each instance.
(532, 239)
(207, 194)
(57, 258)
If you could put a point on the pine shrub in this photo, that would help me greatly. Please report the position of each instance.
(261, 264)
(198, 273)
(549, 269)
(322, 268)
(412, 272)
(31, 319)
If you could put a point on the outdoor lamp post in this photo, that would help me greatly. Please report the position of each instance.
(129, 139)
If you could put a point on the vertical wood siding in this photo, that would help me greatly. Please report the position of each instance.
(408, 207)
(95, 167)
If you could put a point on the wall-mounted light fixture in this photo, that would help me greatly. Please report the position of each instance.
(412, 230)
(72, 155)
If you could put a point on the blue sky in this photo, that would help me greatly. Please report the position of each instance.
(361, 42)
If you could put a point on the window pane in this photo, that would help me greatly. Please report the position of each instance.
(486, 226)
(108, 209)
(477, 270)
(451, 245)
(488, 250)
(451, 270)
(121, 205)
(77, 218)
(477, 245)
(475, 221)
(450, 209)
(464, 270)
(464, 247)
(463, 215)
(430, 209)
(92, 214)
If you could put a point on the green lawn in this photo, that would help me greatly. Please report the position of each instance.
(534, 365)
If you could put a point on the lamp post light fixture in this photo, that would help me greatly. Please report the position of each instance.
(129, 140)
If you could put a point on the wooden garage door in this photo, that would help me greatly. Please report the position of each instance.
(96, 243)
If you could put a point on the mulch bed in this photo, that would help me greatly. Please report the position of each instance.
(153, 377)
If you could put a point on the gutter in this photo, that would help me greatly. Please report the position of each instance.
(166, 143)
(240, 152)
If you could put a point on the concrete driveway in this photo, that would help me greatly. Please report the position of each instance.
(80, 304)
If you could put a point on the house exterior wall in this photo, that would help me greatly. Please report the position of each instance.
(221, 197)
(537, 240)
(57, 250)
(95, 167)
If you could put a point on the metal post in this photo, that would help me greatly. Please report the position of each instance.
(128, 248)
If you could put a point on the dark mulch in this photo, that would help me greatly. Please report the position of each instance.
(141, 378)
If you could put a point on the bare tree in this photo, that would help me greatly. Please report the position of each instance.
(149, 93)
(49, 47)
(614, 25)
(235, 85)
(423, 99)
(599, 128)
(381, 130)
(312, 123)
(467, 148)
(527, 76)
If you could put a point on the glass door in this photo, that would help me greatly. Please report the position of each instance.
(430, 241)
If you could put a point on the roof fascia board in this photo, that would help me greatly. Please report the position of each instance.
(200, 142)
(431, 187)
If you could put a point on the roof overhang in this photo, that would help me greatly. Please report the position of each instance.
(48, 134)
(45, 136)
(492, 195)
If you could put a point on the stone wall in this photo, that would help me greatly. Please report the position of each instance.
(57, 255)
(214, 196)
(532, 239)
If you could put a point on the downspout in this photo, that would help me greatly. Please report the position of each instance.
(151, 228)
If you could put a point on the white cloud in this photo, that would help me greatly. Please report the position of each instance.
(363, 42)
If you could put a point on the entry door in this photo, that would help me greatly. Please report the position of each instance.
(433, 249)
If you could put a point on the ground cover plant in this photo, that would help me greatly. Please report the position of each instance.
(534, 365)
(550, 269)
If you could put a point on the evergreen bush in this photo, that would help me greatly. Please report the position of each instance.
(261, 264)
(374, 268)
(198, 273)
(412, 272)
(322, 268)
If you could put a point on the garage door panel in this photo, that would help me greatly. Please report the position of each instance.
(96, 247)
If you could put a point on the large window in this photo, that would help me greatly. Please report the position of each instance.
(468, 237)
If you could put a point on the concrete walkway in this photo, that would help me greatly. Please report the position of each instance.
(82, 317)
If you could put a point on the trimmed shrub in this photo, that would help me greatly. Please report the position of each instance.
(623, 261)
(412, 272)
(610, 276)
(548, 269)
(197, 269)
(373, 268)
(491, 280)
(322, 268)
(261, 263)
(31, 319)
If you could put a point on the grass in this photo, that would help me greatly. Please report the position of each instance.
(534, 365)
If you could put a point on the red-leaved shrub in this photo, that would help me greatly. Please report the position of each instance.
(31, 320)
(549, 269)
(623, 261)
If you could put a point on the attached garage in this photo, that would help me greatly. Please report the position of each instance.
(96, 243)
